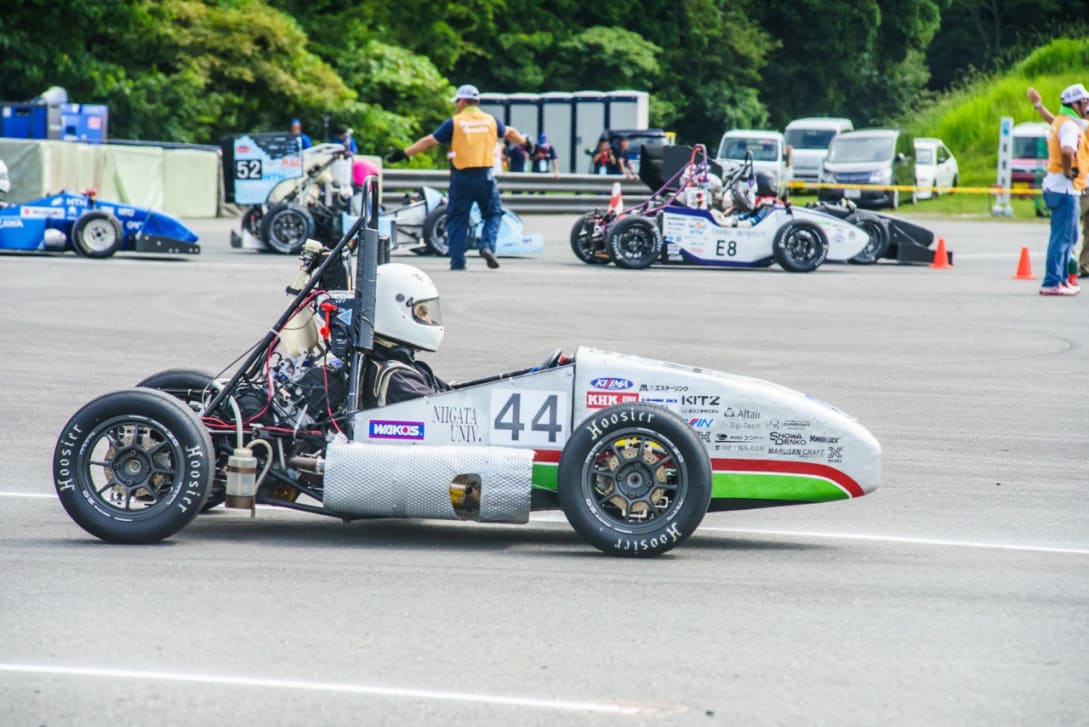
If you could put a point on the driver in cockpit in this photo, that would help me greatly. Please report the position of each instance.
(406, 321)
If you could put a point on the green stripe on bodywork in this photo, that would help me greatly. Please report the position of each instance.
(758, 486)
(737, 485)
(544, 475)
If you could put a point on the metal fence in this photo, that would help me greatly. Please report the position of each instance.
(522, 192)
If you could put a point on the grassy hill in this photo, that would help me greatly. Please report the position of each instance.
(967, 119)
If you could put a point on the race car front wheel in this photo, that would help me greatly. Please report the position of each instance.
(634, 480)
(633, 242)
(878, 243)
(800, 247)
(96, 234)
(287, 227)
(582, 241)
(133, 466)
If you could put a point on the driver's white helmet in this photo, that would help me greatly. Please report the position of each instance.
(5, 181)
(407, 307)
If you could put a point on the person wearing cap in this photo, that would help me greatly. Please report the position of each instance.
(1067, 174)
(297, 132)
(471, 135)
(544, 154)
(343, 135)
(1083, 258)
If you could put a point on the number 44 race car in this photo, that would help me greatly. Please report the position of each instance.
(634, 451)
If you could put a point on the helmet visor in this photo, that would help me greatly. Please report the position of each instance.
(427, 312)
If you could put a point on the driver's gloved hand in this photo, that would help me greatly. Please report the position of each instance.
(397, 155)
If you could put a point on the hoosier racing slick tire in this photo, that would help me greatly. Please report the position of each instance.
(633, 242)
(634, 480)
(878, 233)
(800, 247)
(133, 466)
(286, 227)
(194, 388)
(97, 234)
(582, 243)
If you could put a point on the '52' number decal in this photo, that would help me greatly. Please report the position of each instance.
(247, 169)
(528, 418)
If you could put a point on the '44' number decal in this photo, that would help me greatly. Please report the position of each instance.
(529, 418)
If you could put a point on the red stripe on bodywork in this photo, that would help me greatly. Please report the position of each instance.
(547, 455)
(812, 469)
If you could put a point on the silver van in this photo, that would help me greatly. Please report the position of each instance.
(870, 156)
(808, 139)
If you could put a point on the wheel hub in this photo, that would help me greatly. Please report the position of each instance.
(131, 468)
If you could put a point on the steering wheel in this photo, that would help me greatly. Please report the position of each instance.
(554, 359)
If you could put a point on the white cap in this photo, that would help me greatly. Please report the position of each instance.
(1071, 94)
(468, 91)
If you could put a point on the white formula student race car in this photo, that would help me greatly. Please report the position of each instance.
(698, 217)
(634, 451)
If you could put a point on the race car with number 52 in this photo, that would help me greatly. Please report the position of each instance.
(634, 451)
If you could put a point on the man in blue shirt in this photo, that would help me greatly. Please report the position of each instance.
(297, 132)
(471, 135)
(343, 135)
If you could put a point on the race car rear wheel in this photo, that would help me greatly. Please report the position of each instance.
(582, 241)
(193, 388)
(633, 242)
(634, 480)
(286, 227)
(133, 466)
(878, 243)
(800, 247)
(97, 234)
(434, 231)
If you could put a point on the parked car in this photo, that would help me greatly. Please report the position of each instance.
(935, 166)
(870, 156)
(808, 140)
(768, 149)
(1029, 163)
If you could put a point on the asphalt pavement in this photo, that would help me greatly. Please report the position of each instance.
(957, 594)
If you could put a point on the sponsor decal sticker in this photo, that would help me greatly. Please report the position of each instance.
(10, 222)
(389, 429)
(700, 423)
(788, 439)
(463, 421)
(611, 383)
(602, 399)
(732, 413)
(39, 213)
(823, 439)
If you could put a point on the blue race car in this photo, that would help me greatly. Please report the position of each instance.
(91, 227)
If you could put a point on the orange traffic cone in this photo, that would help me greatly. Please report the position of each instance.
(616, 199)
(941, 257)
(1024, 267)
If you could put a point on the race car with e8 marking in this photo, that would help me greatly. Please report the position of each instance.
(634, 451)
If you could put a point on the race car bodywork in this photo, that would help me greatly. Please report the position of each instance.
(92, 227)
(634, 451)
(888, 236)
(767, 445)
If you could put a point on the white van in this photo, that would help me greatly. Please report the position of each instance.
(768, 149)
(808, 139)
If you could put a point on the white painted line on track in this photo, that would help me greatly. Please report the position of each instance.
(50, 495)
(554, 704)
(900, 539)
